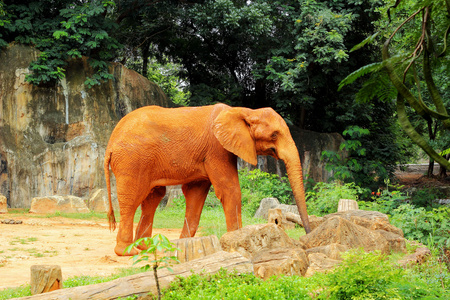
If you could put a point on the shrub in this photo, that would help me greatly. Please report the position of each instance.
(429, 227)
(224, 285)
(384, 201)
(324, 197)
(372, 276)
(266, 185)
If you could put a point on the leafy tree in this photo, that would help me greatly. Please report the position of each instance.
(62, 30)
(415, 62)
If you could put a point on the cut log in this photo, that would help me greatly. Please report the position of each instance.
(45, 278)
(143, 283)
(347, 204)
(195, 247)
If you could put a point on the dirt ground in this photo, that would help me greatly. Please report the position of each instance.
(80, 247)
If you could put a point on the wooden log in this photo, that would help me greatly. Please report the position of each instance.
(143, 283)
(347, 204)
(45, 278)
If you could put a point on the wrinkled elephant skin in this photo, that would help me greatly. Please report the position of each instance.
(153, 147)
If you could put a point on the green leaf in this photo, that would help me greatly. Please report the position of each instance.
(374, 67)
(58, 34)
(366, 41)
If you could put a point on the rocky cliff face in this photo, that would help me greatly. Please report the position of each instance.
(52, 139)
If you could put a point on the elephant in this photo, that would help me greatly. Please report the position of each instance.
(196, 147)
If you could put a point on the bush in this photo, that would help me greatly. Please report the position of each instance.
(266, 185)
(372, 276)
(225, 285)
(324, 197)
(428, 227)
(384, 201)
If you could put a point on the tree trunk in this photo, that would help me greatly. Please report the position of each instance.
(144, 283)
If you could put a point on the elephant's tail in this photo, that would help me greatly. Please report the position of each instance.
(111, 217)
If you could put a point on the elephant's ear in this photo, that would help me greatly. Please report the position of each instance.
(233, 133)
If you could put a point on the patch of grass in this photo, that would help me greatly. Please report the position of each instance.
(17, 240)
(17, 292)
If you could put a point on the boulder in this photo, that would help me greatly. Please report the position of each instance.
(172, 192)
(195, 247)
(397, 243)
(319, 262)
(372, 220)
(332, 251)
(287, 261)
(263, 210)
(341, 231)
(52, 204)
(418, 257)
(252, 239)
(347, 204)
(99, 202)
(3, 205)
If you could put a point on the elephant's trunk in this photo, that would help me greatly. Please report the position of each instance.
(294, 170)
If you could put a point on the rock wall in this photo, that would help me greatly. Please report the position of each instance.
(53, 139)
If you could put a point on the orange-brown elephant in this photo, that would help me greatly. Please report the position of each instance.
(153, 147)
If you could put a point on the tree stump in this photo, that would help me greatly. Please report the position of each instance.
(195, 247)
(347, 204)
(45, 278)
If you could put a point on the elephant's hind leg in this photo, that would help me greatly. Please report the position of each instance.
(125, 233)
(195, 193)
(149, 206)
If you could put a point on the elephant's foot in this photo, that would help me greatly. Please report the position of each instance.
(120, 251)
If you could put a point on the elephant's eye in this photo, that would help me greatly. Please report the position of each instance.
(274, 135)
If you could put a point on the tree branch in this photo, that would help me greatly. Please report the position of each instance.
(415, 136)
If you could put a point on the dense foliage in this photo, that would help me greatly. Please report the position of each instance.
(62, 30)
(413, 42)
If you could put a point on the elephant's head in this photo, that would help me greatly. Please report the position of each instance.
(248, 133)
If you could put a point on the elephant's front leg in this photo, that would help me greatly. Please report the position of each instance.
(195, 194)
(148, 207)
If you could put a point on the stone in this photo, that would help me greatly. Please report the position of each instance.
(332, 251)
(252, 239)
(99, 202)
(341, 231)
(172, 192)
(263, 210)
(372, 220)
(195, 247)
(418, 257)
(3, 205)
(280, 261)
(53, 138)
(52, 204)
(397, 243)
(11, 221)
(319, 262)
(347, 204)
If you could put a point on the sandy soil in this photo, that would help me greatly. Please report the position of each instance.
(80, 247)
